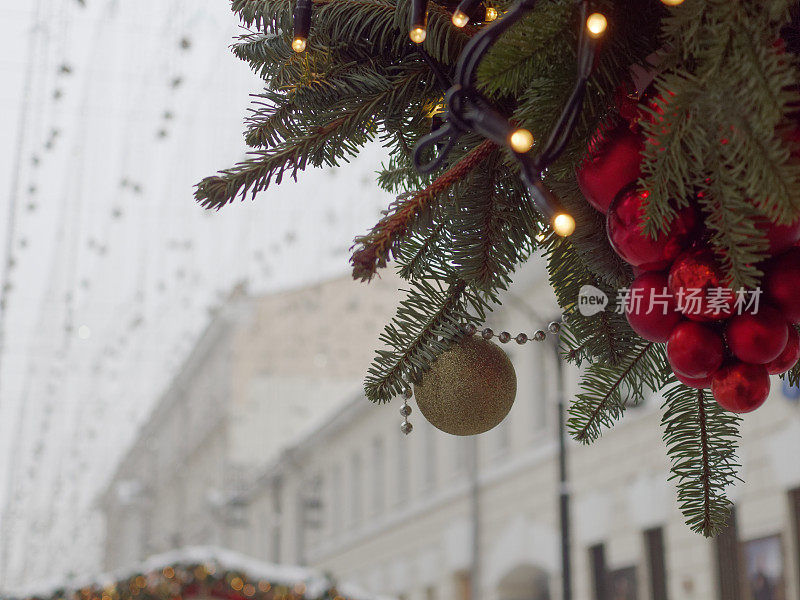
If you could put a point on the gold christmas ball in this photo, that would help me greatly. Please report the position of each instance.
(469, 389)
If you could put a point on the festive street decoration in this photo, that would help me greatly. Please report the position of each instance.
(698, 269)
(741, 387)
(513, 135)
(469, 389)
(626, 219)
(613, 160)
(648, 291)
(201, 572)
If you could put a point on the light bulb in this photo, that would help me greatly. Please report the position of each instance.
(298, 44)
(491, 14)
(460, 19)
(521, 140)
(417, 34)
(672, 2)
(563, 224)
(596, 23)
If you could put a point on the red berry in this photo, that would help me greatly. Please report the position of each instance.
(700, 383)
(651, 308)
(782, 283)
(694, 350)
(696, 280)
(757, 338)
(790, 355)
(624, 222)
(612, 163)
(740, 387)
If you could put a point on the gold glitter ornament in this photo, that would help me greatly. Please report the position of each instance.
(469, 389)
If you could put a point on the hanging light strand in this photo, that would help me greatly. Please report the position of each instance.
(469, 110)
(302, 25)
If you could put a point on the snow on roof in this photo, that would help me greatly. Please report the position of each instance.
(316, 583)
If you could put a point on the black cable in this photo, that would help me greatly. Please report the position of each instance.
(441, 77)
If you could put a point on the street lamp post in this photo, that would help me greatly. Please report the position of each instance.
(563, 481)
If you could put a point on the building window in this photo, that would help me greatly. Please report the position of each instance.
(336, 500)
(503, 439)
(656, 563)
(460, 454)
(540, 390)
(403, 475)
(597, 564)
(463, 585)
(276, 543)
(794, 512)
(622, 584)
(429, 458)
(356, 490)
(378, 481)
(729, 571)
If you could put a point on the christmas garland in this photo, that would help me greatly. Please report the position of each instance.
(663, 132)
(200, 572)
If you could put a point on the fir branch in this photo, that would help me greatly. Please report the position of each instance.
(427, 322)
(328, 144)
(608, 391)
(701, 442)
(375, 248)
(420, 249)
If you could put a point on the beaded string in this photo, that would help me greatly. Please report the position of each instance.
(504, 337)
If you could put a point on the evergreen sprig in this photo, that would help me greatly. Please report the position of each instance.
(427, 322)
(609, 390)
(701, 441)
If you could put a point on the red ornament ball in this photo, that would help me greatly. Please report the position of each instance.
(790, 355)
(624, 222)
(695, 279)
(759, 337)
(782, 283)
(694, 350)
(780, 237)
(700, 383)
(651, 308)
(612, 163)
(740, 387)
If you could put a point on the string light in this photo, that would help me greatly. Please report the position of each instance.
(417, 34)
(596, 24)
(563, 224)
(419, 18)
(460, 19)
(298, 44)
(491, 14)
(672, 2)
(302, 25)
(521, 140)
(468, 110)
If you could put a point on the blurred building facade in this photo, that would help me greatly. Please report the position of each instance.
(434, 517)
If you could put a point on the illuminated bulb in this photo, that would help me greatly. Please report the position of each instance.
(84, 332)
(417, 34)
(563, 224)
(596, 24)
(672, 2)
(521, 140)
(460, 19)
(298, 44)
(491, 14)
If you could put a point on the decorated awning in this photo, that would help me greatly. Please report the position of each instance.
(200, 572)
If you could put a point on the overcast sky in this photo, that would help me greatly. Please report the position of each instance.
(109, 113)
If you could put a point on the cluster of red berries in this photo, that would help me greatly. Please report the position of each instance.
(719, 338)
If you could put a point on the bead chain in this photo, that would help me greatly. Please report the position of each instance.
(504, 337)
